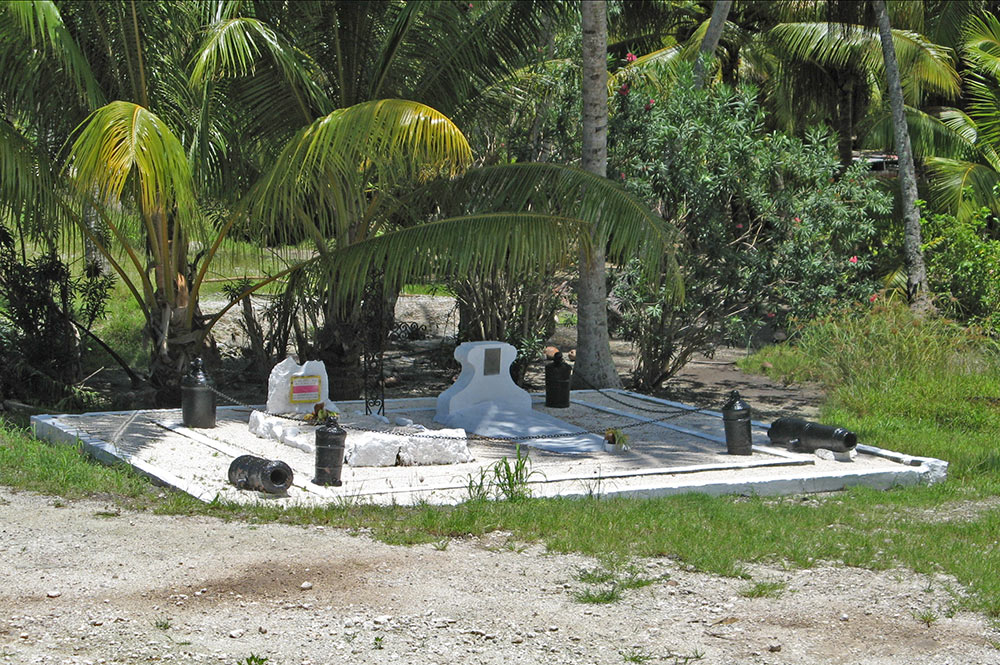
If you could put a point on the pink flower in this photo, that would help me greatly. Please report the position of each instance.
(796, 220)
(630, 57)
(853, 259)
(649, 104)
(623, 90)
(622, 175)
(873, 297)
(739, 226)
(770, 315)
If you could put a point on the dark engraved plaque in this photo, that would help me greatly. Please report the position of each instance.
(491, 366)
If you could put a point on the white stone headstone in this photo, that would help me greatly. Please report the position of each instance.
(485, 377)
(295, 388)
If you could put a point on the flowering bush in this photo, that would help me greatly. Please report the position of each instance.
(768, 227)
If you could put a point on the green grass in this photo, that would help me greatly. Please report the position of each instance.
(764, 589)
(926, 389)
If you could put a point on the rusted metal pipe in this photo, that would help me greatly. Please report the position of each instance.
(805, 436)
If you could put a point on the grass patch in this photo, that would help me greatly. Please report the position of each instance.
(764, 589)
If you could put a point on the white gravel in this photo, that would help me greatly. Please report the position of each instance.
(84, 584)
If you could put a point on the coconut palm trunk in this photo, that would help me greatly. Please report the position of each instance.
(594, 365)
(720, 12)
(917, 288)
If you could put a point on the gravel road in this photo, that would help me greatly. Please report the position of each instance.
(86, 584)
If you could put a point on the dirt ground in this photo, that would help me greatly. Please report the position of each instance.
(85, 584)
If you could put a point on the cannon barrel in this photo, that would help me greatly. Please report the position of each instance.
(249, 472)
(806, 436)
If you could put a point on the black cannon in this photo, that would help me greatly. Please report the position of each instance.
(804, 436)
(249, 472)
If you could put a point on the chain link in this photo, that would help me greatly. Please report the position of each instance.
(477, 437)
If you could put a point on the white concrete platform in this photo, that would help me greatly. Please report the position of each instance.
(674, 448)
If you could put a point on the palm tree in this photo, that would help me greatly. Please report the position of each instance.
(720, 11)
(440, 53)
(917, 288)
(961, 148)
(355, 181)
(595, 368)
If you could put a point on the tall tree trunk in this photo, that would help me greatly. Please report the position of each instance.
(917, 288)
(720, 13)
(594, 365)
(845, 121)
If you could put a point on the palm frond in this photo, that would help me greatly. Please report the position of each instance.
(626, 226)
(27, 189)
(984, 108)
(470, 244)
(41, 23)
(659, 68)
(337, 167)
(235, 47)
(943, 132)
(122, 141)
(961, 187)
(924, 66)
(981, 43)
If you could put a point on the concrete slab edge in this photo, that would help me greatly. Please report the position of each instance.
(47, 427)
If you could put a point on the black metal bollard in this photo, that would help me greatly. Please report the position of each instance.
(249, 472)
(330, 444)
(197, 398)
(809, 437)
(736, 419)
(557, 382)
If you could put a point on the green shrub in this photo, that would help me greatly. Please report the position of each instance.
(963, 268)
(771, 229)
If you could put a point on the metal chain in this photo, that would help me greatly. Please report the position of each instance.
(614, 398)
(536, 437)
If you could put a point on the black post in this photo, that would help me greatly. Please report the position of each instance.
(330, 444)
(197, 398)
(736, 418)
(558, 375)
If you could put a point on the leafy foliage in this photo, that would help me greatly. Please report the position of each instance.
(769, 230)
(40, 348)
(963, 266)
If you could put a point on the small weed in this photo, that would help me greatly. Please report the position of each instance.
(511, 481)
(617, 438)
(764, 590)
(442, 545)
(108, 513)
(163, 623)
(378, 643)
(926, 617)
(504, 480)
(611, 594)
(253, 659)
(567, 319)
(514, 546)
(634, 656)
(616, 575)
(684, 660)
